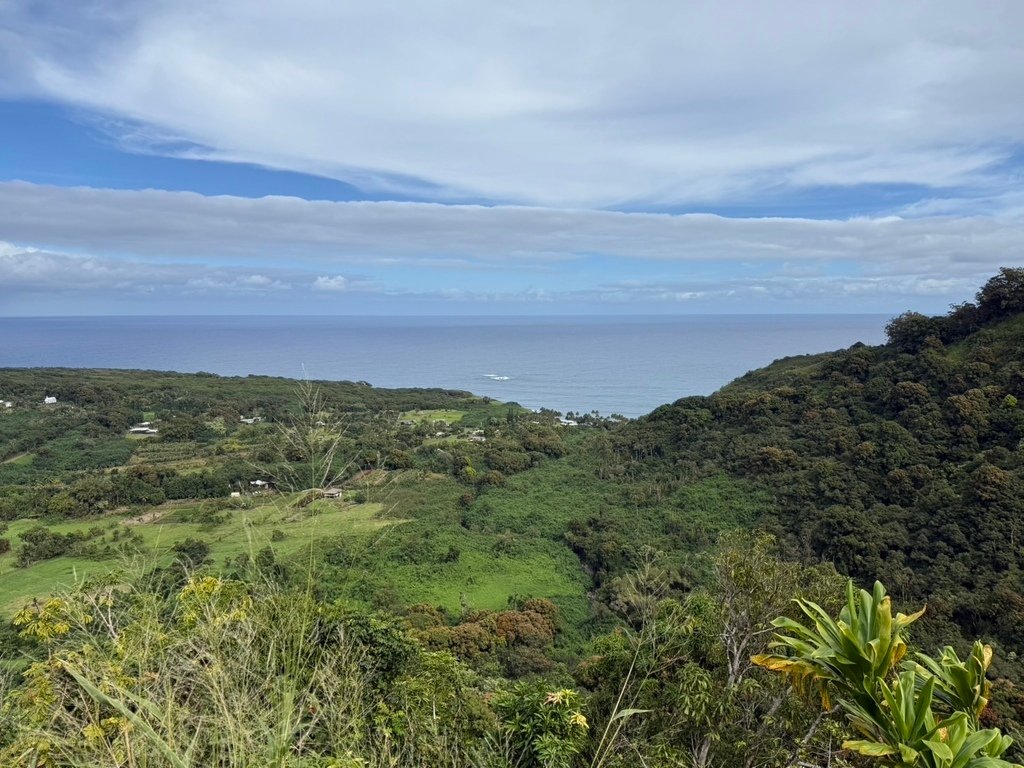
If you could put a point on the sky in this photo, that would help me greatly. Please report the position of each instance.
(468, 158)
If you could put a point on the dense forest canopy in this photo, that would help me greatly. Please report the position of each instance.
(901, 462)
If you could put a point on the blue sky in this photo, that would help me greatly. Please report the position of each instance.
(462, 158)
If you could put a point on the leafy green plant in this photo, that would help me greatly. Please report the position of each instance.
(925, 716)
(960, 686)
(849, 656)
(545, 729)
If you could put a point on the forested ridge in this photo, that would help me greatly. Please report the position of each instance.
(900, 462)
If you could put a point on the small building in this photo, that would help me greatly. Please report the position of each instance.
(6, 403)
(250, 419)
(49, 400)
(333, 493)
(236, 494)
(141, 430)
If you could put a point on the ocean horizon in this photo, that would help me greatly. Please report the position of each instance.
(627, 364)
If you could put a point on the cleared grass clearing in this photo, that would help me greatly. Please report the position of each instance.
(485, 582)
(164, 453)
(245, 531)
(452, 417)
(19, 586)
(434, 558)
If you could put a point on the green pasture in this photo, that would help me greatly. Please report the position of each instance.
(430, 416)
(243, 531)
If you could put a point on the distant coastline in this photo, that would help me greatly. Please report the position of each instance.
(627, 365)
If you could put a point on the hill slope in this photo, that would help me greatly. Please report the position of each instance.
(900, 462)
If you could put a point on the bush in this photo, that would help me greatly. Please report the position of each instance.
(192, 552)
(40, 543)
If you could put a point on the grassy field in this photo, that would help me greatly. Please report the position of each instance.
(511, 540)
(483, 581)
(425, 534)
(439, 557)
(449, 416)
(243, 531)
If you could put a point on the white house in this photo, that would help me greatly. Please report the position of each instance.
(140, 430)
(49, 400)
(6, 403)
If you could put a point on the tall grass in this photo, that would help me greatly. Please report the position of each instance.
(229, 674)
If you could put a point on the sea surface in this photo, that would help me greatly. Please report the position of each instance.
(625, 365)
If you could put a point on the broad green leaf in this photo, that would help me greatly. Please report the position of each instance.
(869, 748)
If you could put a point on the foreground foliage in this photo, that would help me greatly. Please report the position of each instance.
(234, 674)
(922, 714)
(255, 673)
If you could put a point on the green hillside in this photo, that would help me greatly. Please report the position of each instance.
(425, 577)
(901, 462)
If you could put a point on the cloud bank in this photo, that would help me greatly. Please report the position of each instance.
(184, 225)
(566, 104)
(180, 244)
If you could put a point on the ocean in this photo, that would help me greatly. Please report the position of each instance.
(625, 365)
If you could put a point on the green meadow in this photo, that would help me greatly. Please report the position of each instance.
(430, 416)
(277, 523)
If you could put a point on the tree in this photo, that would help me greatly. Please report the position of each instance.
(191, 552)
(544, 728)
(1002, 295)
(181, 429)
(685, 670)
(908, 331)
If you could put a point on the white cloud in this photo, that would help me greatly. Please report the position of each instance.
(555, 104)
(27, 269)
(842, 291)
(221, 282)
(335, 283)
